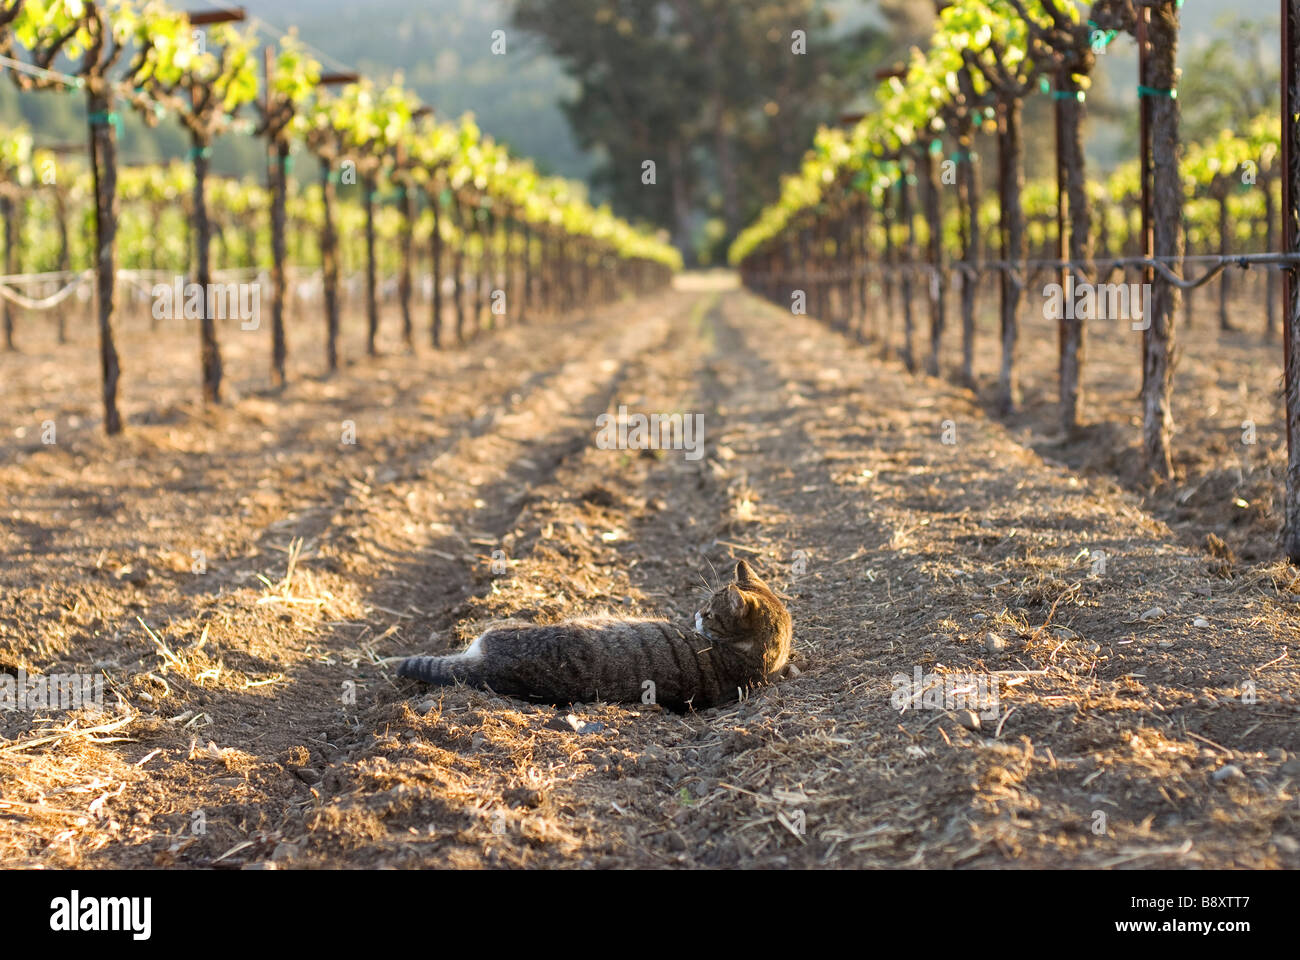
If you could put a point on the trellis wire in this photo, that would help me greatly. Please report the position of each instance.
(1273, 261)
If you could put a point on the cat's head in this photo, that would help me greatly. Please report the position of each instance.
(748, 615)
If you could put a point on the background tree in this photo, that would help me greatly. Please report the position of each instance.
(1230, 78)
(720, 95)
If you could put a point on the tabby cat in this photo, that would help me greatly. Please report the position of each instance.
(741, 638)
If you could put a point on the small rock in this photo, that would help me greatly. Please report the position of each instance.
(1292, 767)
(572, 724)
(1286, 843)
(476, 741)
(1200, 622)
(994, 644)
(675, 771)
(425, 707)
(1277, 754)
(1155, 613)
(968, 719)
(284, 851)
(1229, 772)
(263, 865)
(308, 776)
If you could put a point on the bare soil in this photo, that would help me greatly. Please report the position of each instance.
(1230, 444)
(241, 577)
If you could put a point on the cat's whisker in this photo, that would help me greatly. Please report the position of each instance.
(713, 568)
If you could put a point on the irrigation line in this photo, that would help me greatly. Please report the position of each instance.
(48, 303)
(144, 280)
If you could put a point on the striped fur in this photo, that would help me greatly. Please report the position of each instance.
(740, 639)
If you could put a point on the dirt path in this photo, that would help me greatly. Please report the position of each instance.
(1145, 713)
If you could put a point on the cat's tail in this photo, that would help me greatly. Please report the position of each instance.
(435, 670)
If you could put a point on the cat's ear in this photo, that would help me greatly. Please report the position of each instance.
(735, 600)
(745, 575)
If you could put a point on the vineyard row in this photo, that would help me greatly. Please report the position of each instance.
(482, 210)
(848, 220)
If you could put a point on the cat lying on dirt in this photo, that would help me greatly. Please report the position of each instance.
(741, 638)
